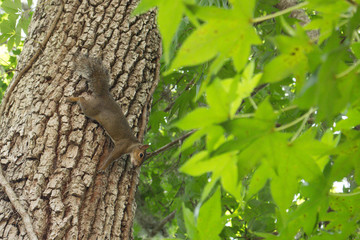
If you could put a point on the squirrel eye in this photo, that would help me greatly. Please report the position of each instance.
(141, 155)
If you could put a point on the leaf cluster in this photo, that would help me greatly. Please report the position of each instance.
(14, 21)
(276, 113)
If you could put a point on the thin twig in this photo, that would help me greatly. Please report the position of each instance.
(32, 60)
(305, 116)
(18, 207)
(249, 115)
(185, 89)
(279, 13)
(344, 194)
(168, 91)
(352, 2)
(253, 103)
(348, 70)
(167, 219)
(169, 145)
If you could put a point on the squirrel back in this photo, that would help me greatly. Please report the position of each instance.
(95, 73)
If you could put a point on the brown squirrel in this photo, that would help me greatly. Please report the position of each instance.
(100, 106)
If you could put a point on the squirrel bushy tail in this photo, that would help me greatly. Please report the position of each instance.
(95, 73)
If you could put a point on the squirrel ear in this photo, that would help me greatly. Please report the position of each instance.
(144, 147)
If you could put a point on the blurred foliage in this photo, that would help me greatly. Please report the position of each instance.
(276, 116)
(15, 18)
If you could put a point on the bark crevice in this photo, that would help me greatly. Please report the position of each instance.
(51, 151)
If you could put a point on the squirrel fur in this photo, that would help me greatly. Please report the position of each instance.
(100, 106)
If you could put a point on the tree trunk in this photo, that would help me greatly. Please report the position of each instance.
(49, 150)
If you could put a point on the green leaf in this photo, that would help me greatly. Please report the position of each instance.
(11, 7)
(196, 165)
(329, 15)
(259, 178)
(17, 35)
(10, 43)
(199, 118)
(200, 163)
(231, 36)
(283, 189)
(217, 98)
(208, 188)
(355, 48)
(8, 25)
(280, 68)
(307, 213)
(227, 171)
(265, 112)
(157, 118)
(311, 151)
(292, 60)
(215, 137)
(189, 222)
(324, 25)
(352, 120)
(193, 138)
(247, 7)
(328, 91)
(24, 23)
(169, 18)
(210, 223)
(199, 46)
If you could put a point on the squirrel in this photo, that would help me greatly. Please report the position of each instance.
(100, 106)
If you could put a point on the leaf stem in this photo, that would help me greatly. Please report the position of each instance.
(286, 109)
(249, 115)
(344, 194)
(303, 117)
(169, 145)
(348, 70)
(307, 115)
(279, 13)
(245, 115)
(253, 103)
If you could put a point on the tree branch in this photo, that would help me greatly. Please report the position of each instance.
(167, 219)
(185, 89)
(168, 91)
(18, 206)
(169, 145)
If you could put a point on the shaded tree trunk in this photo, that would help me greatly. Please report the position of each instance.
(49, 150)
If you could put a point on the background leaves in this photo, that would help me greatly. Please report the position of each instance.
(276, 114)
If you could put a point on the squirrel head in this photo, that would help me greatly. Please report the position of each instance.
(138, 153)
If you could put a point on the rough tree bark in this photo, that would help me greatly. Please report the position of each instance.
(49, 150)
